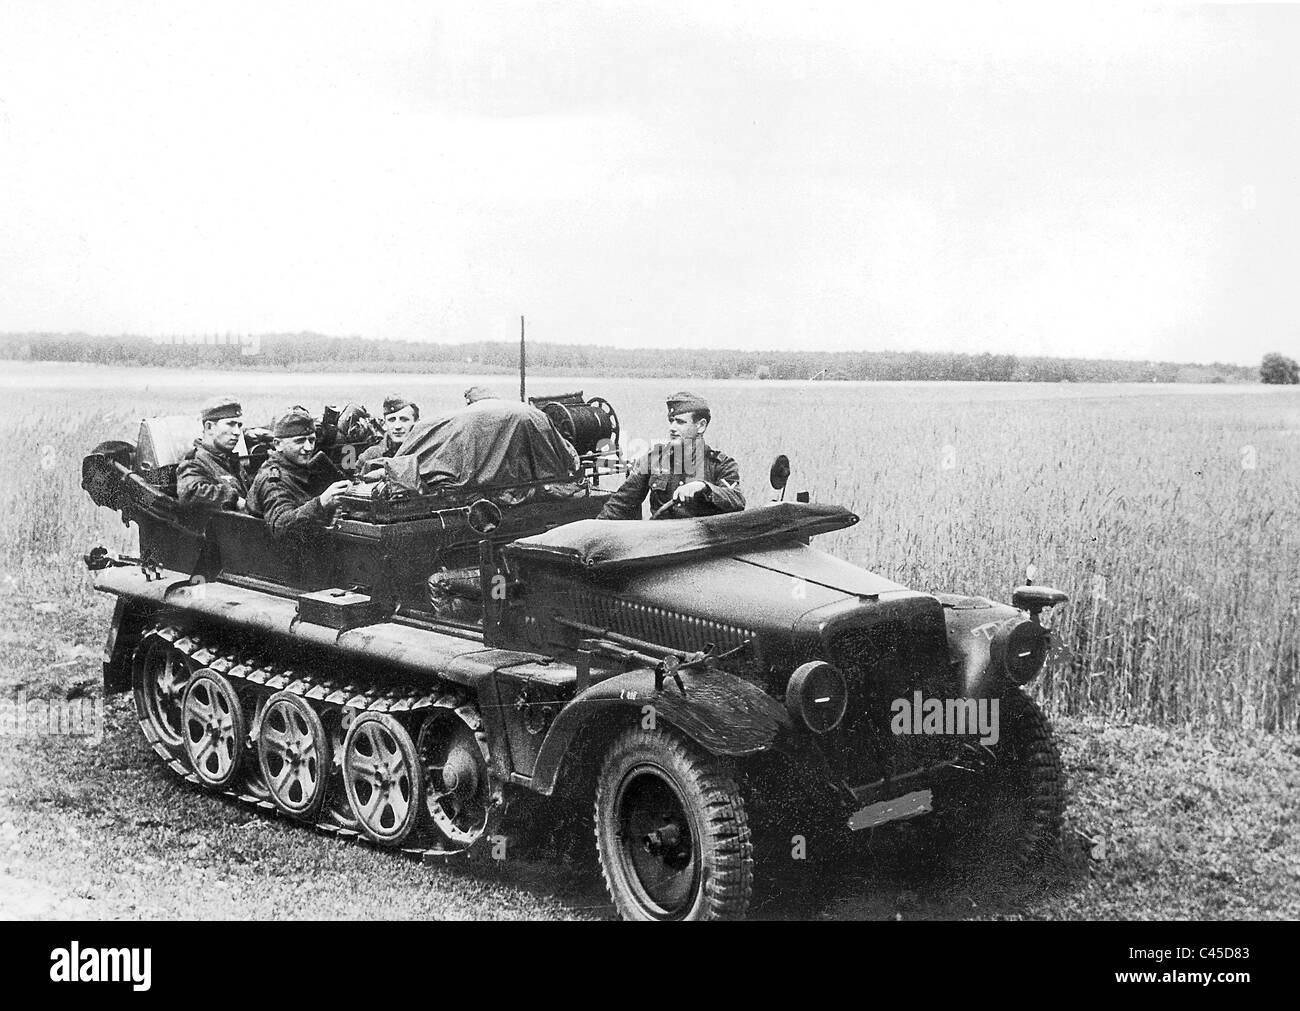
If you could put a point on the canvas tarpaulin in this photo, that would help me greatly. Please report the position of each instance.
(491, 444)
(614, 545)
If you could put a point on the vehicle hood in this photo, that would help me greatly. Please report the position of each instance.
(802, 561)
(767, 590)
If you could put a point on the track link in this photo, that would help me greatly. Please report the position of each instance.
(331, 697)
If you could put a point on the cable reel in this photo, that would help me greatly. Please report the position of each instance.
(590, 426)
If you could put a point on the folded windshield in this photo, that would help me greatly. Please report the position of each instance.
(615, 545)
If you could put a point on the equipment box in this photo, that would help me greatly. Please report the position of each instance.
(341, 609)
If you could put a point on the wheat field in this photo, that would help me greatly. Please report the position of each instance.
(1169, 514)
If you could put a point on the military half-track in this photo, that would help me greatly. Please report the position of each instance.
(695, 683)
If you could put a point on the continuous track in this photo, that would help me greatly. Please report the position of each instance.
(338, 702)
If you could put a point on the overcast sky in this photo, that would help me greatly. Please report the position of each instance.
(977, 177)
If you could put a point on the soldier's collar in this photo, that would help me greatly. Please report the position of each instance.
(200, 444)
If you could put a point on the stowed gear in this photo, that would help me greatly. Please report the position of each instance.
(462, 801)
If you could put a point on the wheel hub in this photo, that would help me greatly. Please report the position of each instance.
(460, 774)
(665, 842)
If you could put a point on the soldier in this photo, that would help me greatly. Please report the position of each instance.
(400, 416)
(288, 493)
(700, 481)
(209, 475)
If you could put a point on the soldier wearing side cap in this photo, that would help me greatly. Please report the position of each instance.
(292, 496)
(209, 476)
(694, 479)
(400, 416)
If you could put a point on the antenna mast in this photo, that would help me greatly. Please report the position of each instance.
(522, 398)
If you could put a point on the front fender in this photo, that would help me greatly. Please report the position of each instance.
(722, 713)
(970, 636)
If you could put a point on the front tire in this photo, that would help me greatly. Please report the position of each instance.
(1004, 825)
(671, 830)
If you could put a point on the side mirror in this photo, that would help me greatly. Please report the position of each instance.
(779, 475)
(483, 516)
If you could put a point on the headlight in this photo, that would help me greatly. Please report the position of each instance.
(1020, 648)
(817, 696)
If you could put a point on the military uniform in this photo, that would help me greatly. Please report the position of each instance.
(286, 495)
(721, 493)
(385, 447)
(663, 470)
(210, 480)
(208, 477)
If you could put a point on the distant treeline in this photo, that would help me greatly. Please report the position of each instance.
(314, 352)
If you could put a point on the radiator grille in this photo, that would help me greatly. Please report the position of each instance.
(895, 651)
(892, 652)
(657, 624)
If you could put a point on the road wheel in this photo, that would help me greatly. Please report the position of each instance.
(1003, 823)
(671, 830)
(159, 679)
(295, 755)
(213, 727)
(383, 778)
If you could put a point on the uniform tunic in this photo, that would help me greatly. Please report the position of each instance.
(285, 494)
(721, 493)
(386, 447)
(208, 480)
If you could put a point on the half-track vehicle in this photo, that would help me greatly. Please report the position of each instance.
(698, 684)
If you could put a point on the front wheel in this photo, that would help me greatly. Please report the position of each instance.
(671, 830)
(1002, 820)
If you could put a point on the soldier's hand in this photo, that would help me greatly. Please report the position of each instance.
(328, 496)
(688, 491)
(240, 505)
